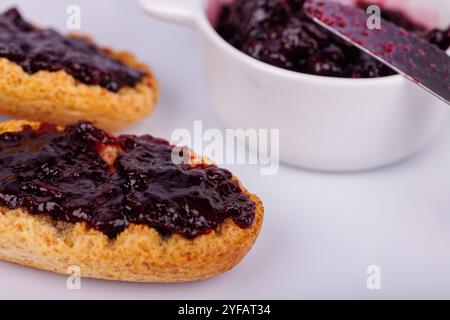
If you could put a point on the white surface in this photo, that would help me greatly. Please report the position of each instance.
(321, 231)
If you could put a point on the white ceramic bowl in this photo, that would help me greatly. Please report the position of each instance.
(325, 123)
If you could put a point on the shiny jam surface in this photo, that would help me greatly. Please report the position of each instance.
(280, 33)
(36, 49)
(64, 174)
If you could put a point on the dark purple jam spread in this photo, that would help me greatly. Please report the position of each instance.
(280, 33)
(36, 49)
(63, 174)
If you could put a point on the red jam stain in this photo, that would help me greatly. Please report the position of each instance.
(62, 174)
(389, 47)
(279, 32)
(37, 49)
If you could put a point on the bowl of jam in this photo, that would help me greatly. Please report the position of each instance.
(268, 66)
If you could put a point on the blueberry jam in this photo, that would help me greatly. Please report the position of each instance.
(65, 174)
(280, 33)
(36, 49)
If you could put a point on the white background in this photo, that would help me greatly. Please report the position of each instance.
(321, 231)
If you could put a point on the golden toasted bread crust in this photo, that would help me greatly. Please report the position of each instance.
(57, 97)
(138, 254)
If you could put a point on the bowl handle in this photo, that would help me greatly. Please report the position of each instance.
(179, 11)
